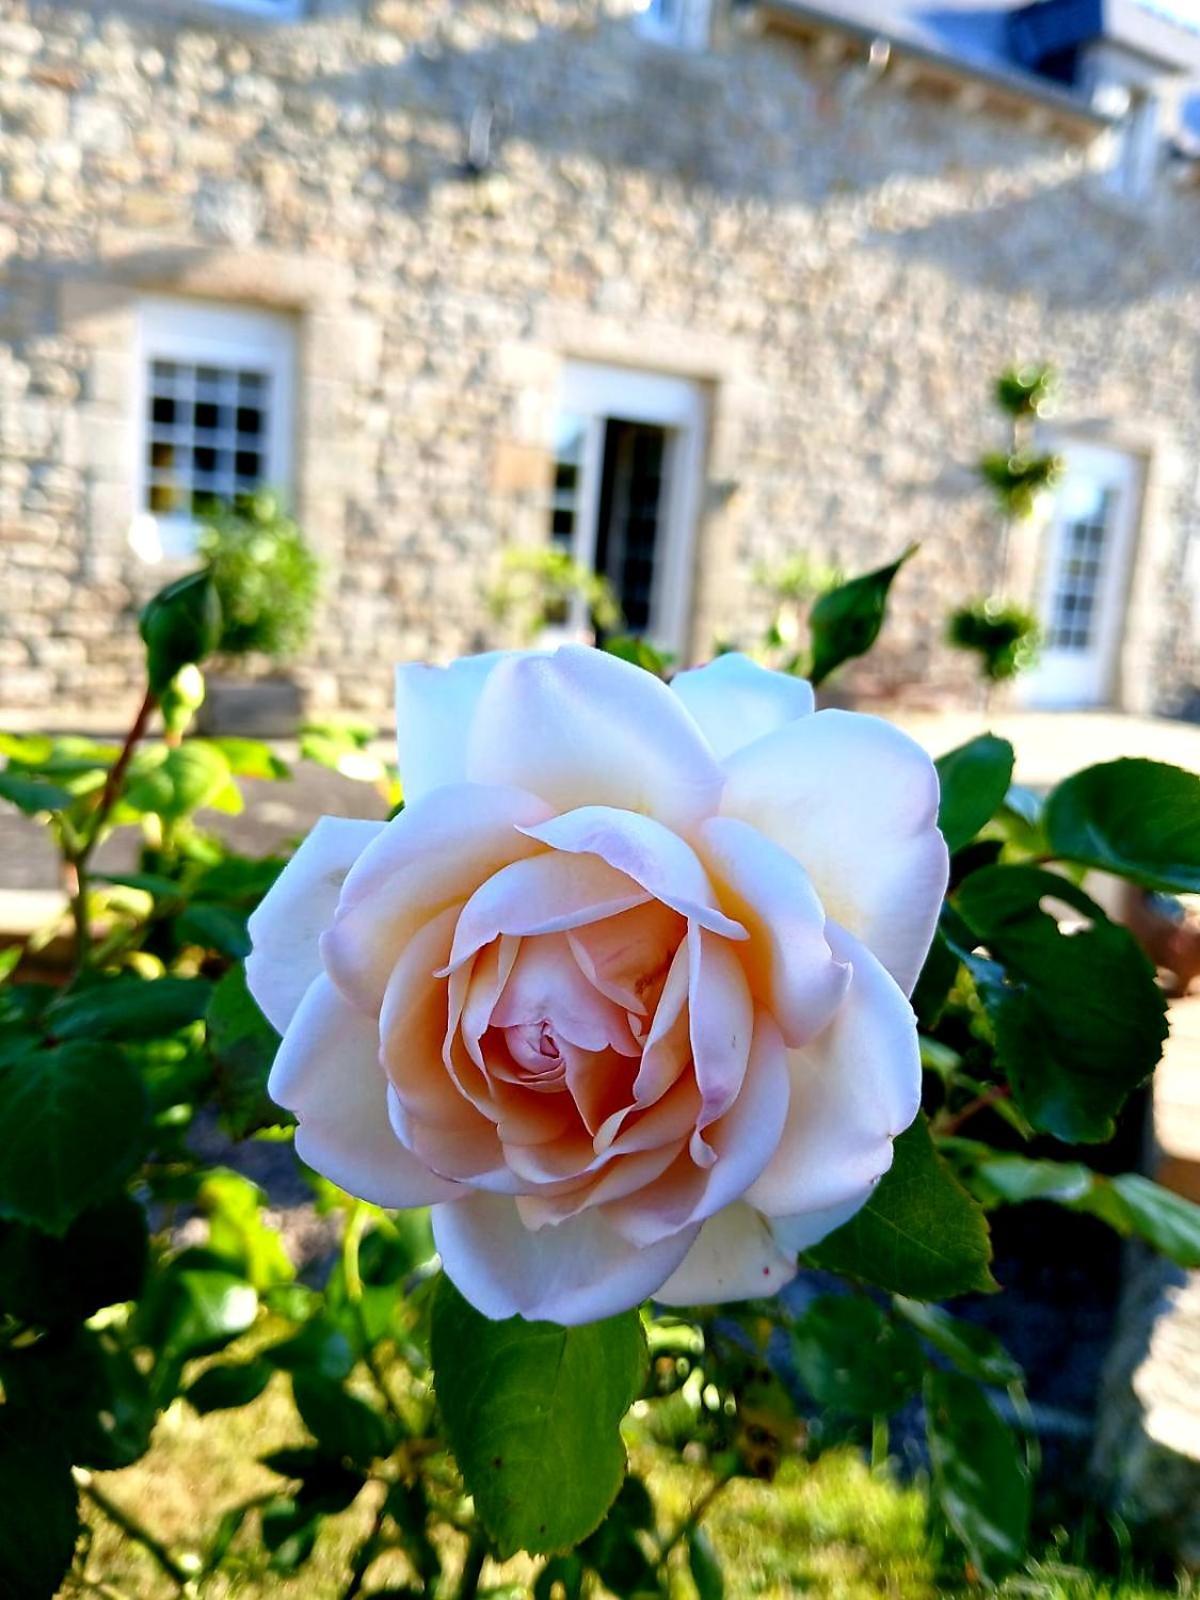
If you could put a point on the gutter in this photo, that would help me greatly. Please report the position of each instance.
(1012, 84)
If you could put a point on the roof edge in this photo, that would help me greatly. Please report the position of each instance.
(1012, 84)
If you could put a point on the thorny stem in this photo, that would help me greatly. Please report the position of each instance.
(981, 1102)
(76, 859)
(129, 1525)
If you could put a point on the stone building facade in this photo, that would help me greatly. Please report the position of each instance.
(467, 220)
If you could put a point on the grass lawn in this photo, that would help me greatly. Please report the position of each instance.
(831, 1530)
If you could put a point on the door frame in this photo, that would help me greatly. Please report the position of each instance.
(1111, 466)
(599, 392)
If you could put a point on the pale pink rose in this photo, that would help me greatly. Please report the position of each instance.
(621, 992)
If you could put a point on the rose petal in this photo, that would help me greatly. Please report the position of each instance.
(547, 985)
(855, 801)
(736, 1257)
(645, 851)
(735, 701)
(721, 1024)
(627, 957)
(328, 1072)
(548, 894)
(853, 1089)
(581, 727)
(791, 970)
(286, 928)
(737, 1149)
(434, 854)
(668, 1048)
(434, 710)
(794, 1234)
(580, 1271)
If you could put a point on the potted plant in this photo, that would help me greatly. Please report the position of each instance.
(266, 578)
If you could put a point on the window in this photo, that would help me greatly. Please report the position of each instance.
(1086, 520)
(627, 459)
(678, 22)
(214, 414)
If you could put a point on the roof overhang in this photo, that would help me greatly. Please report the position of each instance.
(1007, 84)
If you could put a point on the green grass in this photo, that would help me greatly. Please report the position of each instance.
(834, 1530)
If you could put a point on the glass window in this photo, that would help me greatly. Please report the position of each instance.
(1087, 516)
(214, 414)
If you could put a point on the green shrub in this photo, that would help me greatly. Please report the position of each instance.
(1004, 635)
(265, 575)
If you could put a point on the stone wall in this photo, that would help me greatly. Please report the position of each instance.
(844, 264)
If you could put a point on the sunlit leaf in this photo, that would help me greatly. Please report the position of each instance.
(533, 1412)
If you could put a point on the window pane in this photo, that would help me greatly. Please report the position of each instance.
(198, 417)
(570, 438)
(1087, 508)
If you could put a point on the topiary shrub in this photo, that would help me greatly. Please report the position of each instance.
(265, 574)
(1004, 635)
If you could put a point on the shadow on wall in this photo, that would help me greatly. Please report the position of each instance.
(980, 195)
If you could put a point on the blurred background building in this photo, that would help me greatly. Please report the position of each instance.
(688, 289)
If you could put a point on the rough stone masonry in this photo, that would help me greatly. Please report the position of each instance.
(843, 264)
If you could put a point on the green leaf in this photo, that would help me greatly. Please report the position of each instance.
(344, 1426)
(935, 982)
(705, 1565)
(251, 758)
(980, 1481)
(33, 795)
(320, 1346)
(560, 1579)
(173, 783)
(974, 1351)
(75, 1119)
(1079, 1019)
(40, 1521)
(1134, 1206)
(854, 1359)
(615, 1551)
(193, 1308)
(130, 1008)
(86, 1389)
(237, 1231)
(214, 928)
(533, 1414)
(974, 780)
(920, 1234)
(181, 624)
(243, 1045)
(229, 1386)
(845, 621)
(99, 1261)
(1138, 819)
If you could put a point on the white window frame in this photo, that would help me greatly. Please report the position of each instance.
(689, 29)
(597, 394)
(208, 333)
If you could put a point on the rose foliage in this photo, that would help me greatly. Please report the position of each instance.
(659, 996)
